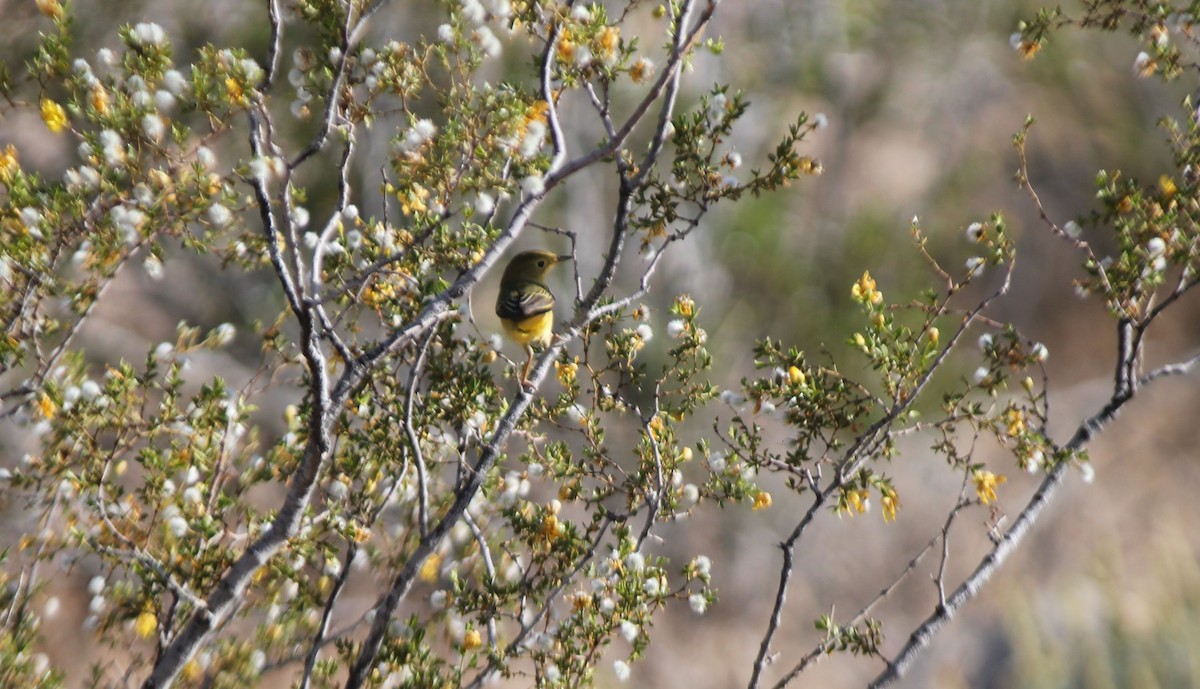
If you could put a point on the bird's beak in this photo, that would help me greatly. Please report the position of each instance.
(562, 257)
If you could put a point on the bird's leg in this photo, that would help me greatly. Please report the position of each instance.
(528, 364)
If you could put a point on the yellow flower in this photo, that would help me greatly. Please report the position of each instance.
(1167, 186)
(859, 500)
(8, 163)
(50, 8)
(656, 427)
(1016, 421)
(609, 39)
(236, 93)
(933, 335)
(566, 49)
(146, 624)
(641, 70)
(685, 304)
(99, 99)
(761, 501)
(864, 290)
(429, 570)
(566, 371)
(46, 406)
(985, 485)
(53, 115)
(795, 375)
(890, 503)
(472, 640)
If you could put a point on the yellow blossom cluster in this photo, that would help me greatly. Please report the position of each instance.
(985, 484)
(864, 290)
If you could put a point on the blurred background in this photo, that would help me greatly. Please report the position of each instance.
(922, 99)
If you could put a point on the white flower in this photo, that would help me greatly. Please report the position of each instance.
(621, 670)
(205, 157)
(581, 13)
(716, 462)
(178, 526)
(732, 398)
(153, 267)
(985, 342)
(335, 54)
(533, 185)
(445, 33)
(698, 603)
(1039, 351)
(300, 216)
(418, 135)
(142, 99)
(635, 561)
(691, 494)
(438, 599)
(1088, 471)
(628, 631)
(223, 334)
(164, 101)
(1141, 65)
(113, 145)
(485, 204)
(193, 495)
(975, 231)
(652, 586)
(975, 265)
(981, 374)
(51, 608)
(1072, 229)
(703, 565)
(258, 660)
(350, 213)
(31, 218)
(96, 585)
(97, 605)
(106, 57)
(333, 566)
(90, 389)
(501, 9)
(82, 178)
(473, 11)
(552, 673)
(645, 332)
(820, 121)
(164, 350)
(219, 215)
(487, 41)
(148, 33)
(175, 82)
(535, 134)
(676, 327)
(267, 169)
(582, 56)
(1159, 263)
(153, 127)
(128, 221)
(640, 73)
(1156, 247)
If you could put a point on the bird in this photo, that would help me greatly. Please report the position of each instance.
(525, 304)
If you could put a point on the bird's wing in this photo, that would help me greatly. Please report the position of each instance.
(525, 300)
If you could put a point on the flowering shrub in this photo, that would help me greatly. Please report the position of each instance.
(500, 530)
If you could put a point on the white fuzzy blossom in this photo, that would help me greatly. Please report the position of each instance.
(676, 327)
(128, 221)
(621, 670)
(533, 184)
(219, 215)
(1072, 229)
(148, 34)
(114, 147)
(175, 82)
(698, 603)
(153, 127)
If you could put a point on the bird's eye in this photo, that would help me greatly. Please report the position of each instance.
(541, 264)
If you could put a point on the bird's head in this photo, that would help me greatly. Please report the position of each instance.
(532, 265)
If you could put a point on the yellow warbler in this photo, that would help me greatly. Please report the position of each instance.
(525, 304)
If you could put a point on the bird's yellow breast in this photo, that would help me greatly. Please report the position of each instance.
(530, 330)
